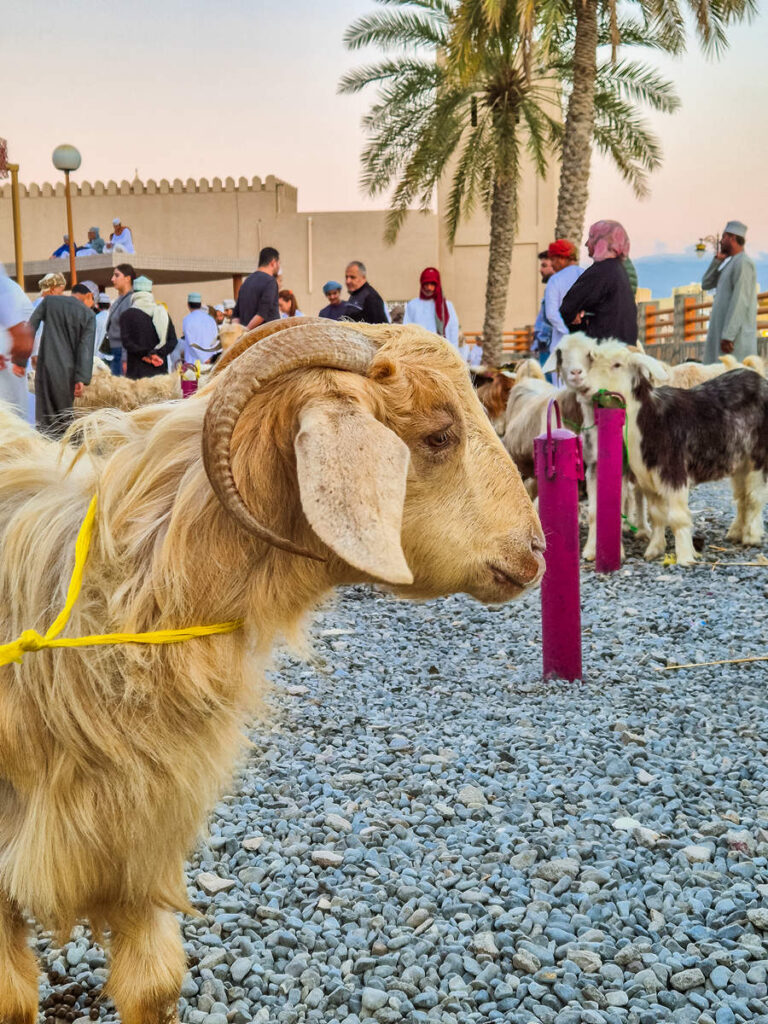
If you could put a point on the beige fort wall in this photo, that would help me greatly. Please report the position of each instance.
(228, 219)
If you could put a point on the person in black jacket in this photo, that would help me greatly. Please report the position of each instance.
(601, 302)
(147, 333)
(364, 304)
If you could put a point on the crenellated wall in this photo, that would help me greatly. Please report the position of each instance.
(219, 218)
(232, 219)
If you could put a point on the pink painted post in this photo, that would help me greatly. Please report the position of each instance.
(559, 466)
(610, 461)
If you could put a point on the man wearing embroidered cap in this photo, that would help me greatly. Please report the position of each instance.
(733, 320)
(121, 239)
(148, 333)
(336, 307)
(199, 332)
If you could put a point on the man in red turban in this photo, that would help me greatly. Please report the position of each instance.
(432, 310)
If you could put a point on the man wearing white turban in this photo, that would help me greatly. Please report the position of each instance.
(733, 320)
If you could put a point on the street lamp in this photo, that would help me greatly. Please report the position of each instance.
(703, 243)
(67, 158)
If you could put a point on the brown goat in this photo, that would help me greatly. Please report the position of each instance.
(495, 392)
(379, 463)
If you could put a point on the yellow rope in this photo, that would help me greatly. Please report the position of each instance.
(31, 640)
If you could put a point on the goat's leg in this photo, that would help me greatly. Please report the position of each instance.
(18, 967)
(148, 966)
(754, 500)
(635, 510)
(681, 525)
(739, 488)
(657, 508)
(590, 547)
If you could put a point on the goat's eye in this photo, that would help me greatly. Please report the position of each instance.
(439, 440)
(616, 366)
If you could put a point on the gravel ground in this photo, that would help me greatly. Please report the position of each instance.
(428, 833)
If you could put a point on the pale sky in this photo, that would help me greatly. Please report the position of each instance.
(194, 89)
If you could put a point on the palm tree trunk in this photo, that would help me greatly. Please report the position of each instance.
(502, 243)
(579, 127)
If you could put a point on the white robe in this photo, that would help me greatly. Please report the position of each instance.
(15, 308)
(734, 309)
(422, 312)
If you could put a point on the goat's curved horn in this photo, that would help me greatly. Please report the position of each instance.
(311, 344)
(245, 341)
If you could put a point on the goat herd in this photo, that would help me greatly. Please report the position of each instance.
(326, 454)
(686, 425)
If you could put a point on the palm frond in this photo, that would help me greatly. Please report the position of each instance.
(397, 29)
(640, 83)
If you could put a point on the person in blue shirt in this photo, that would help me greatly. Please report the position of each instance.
(542, 332)
(63, 251)
(336, 308)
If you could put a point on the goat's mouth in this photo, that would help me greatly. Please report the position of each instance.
(514, 583)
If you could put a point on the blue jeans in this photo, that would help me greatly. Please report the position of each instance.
(116, 366)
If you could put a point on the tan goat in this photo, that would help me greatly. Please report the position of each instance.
(377, 462)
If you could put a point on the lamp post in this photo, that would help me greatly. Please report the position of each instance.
(706, 241)
(67, 158)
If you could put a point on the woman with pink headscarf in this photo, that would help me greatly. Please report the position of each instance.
(601, 302)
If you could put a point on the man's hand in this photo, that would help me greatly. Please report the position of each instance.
(726, 347)
(18, 371)
(79, 388)
(720, 255)
(22, 342)
(579, 317)
(153, 360)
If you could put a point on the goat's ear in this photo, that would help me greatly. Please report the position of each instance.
(650, 368)
(352, 474)
(551, 364)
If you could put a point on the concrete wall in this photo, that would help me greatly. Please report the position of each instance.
(233, 219)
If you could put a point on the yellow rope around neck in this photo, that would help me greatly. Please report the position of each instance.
(30, 640)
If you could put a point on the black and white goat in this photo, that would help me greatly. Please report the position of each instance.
(678, 438)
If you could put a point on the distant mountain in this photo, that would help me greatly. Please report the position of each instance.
(665, 271)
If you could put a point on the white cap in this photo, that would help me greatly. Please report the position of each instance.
(228, 304)
(104, 298)
(116, 220)
(219, 309)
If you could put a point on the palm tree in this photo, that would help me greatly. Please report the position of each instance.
(473, 113)
(662, 19)
(620, 86)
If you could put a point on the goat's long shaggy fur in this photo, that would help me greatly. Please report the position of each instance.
(108, 392)
(110, 757)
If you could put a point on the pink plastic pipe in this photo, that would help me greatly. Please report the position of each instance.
(559, 466)
(610, 458)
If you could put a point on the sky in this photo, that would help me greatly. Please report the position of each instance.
(192, 89)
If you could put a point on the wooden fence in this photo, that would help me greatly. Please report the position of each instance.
(674, 333)
(516, 343)
(677, 333)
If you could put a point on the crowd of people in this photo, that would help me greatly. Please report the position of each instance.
(600, 299)
(120, 240)
(58, 335)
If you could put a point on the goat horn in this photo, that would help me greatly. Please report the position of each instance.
(245, 341)
(308, 344)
